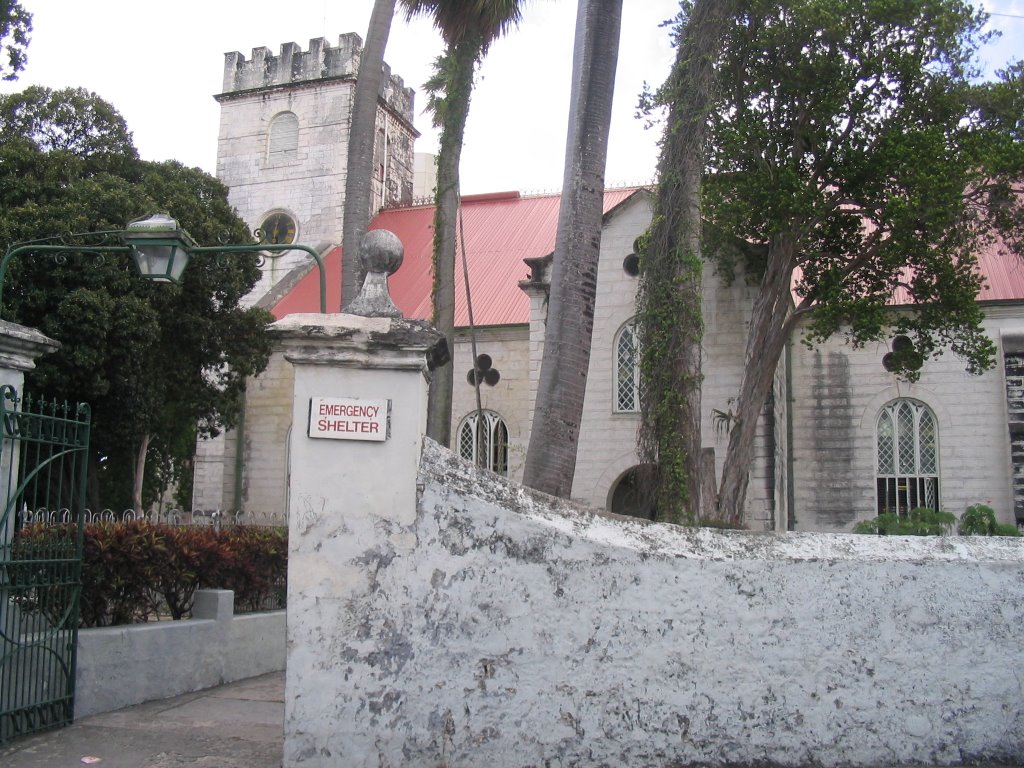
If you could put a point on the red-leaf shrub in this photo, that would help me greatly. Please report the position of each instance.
(135, 571)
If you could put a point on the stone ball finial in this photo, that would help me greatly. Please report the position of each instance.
(381, 251)
(380, 254)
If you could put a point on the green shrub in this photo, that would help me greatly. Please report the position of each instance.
(135, 571)
(920, 521)
(254, 564)
(980, 520)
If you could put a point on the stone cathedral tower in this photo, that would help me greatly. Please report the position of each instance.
(282, 151)
(283, 143)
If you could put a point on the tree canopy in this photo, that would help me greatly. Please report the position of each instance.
(15, 26)
(853, 155)
(157, 363)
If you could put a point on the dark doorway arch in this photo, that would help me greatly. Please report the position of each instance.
(631, 493)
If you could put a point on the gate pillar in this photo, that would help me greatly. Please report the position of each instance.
(20, 347)
(358, 421)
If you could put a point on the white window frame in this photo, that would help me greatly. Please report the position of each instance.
(625, 373)
(907, 467)
(487, 447)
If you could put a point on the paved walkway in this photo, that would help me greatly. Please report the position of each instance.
(239, 725)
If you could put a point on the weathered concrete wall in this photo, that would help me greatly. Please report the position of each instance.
(521, 631)
(121, 666)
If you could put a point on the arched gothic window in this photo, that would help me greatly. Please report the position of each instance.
(485, 441)
(907, 451)
(627, 369)
(283, 138)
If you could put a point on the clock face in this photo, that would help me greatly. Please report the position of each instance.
(278, 229)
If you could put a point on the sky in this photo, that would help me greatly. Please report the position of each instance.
(161, 64)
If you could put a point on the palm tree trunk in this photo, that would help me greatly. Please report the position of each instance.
(457, 92)
(361, 136)
(558, 412)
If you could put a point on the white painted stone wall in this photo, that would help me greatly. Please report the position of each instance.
(838, 393)
(522, 631)
(727, 308)
(268, 419)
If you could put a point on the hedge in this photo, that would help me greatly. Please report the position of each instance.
(137, 571)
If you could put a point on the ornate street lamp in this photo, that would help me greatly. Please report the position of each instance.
(159, 247)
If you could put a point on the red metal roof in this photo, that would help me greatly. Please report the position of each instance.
(1002, 272)
(501, 230)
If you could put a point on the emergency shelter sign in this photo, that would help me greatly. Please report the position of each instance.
(346, 418)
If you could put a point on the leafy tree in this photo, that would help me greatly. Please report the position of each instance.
(852, 155)
(362, 134)
(468, 28)
(558, 410)
(15, 25)
(158, 364)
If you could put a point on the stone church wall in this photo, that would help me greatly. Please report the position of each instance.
(607, 445)
(508, 347)
(727, 308)
(838, 393)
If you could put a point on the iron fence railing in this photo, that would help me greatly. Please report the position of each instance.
(217, 518)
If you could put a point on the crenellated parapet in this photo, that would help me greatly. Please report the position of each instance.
(322, 61)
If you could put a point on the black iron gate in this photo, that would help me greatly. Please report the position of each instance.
(43, 466)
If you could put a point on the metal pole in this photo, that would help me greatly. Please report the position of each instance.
(273, 248)
(125, 249)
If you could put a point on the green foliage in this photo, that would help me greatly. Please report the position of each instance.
(157, 363)
(15, 25)
(669, 320)
(854, 127)
(669, 313)
(134, 571)
(254, 564)
(980, 520)
(920, 521)
(461, 20)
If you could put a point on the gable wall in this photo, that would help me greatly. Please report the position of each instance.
(838, 393)
(508, 347)
(727, 308)
(607, 444)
